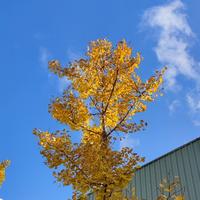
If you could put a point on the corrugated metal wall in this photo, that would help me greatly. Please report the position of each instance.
(183, 162)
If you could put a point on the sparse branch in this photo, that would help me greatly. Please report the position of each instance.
(111, 93)
(103, 123)
(125, 116)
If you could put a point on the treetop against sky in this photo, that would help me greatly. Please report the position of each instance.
(35, 32)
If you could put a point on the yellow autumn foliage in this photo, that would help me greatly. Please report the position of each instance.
(168, 189)
(104, 94)
(3, 166)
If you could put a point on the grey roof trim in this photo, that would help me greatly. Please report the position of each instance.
(170, 152)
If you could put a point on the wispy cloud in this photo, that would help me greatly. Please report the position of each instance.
(44, 56)
(174, 106)
(64, 82)
(193, 102)
(129, 141)
(196, 122)
(73, 55)
(174, 36)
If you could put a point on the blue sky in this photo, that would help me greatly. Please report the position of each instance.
(34, 31)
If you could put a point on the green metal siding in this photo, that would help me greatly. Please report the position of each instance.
(183, 162)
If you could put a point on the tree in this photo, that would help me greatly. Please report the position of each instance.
(104, 94)
(171, 190)
(3, 165)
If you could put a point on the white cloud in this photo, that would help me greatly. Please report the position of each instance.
(193, 101)
(64, 82)
(72, 55)
(173, 41)
(44, 56)
(129, 141)
(174, 38)
(196, 122)
(173, 106)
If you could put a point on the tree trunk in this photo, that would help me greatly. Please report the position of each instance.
(105, 190)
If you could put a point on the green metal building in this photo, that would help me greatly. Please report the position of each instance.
(183, 162)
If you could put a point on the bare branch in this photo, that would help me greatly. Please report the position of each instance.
(111, 93)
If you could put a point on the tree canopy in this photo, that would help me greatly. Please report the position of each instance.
(104, 94)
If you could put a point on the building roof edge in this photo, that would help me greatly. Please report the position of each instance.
(170, 152)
